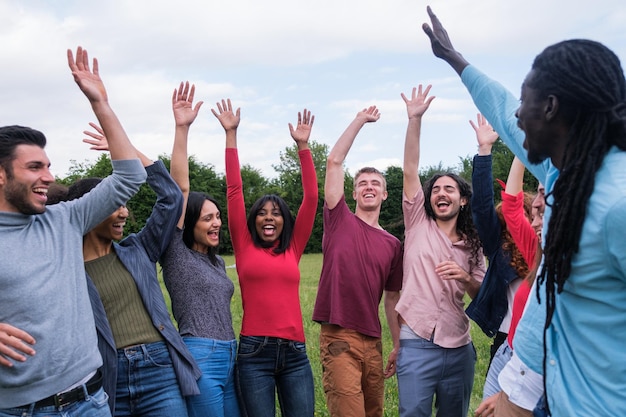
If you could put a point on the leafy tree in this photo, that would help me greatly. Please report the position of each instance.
(391, 218)
(289, 182)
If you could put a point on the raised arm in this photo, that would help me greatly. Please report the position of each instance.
(482, 200)
(415, 108)
(485, 135)
(333, 185)
(92, 86)
(441, 44)
(228, 120)
(184, 115)
(98, 142)
(515, 181)
(306, 213)
(302, 132)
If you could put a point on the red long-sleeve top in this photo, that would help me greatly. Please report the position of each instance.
(526, 240)
(269, 281)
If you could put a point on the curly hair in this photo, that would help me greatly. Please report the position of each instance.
(465, 223)
(518, 263)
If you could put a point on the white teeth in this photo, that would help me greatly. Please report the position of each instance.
(40, 190)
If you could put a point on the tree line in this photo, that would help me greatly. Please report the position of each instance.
(287, 184)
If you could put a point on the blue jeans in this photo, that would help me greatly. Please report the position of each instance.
(218, 395)
(426, 370)
(541, 409)
(500, 359)
(266, 365)
(146, 383)
(95, 405)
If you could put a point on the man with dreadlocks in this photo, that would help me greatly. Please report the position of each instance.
(443, 260)
(572, 118)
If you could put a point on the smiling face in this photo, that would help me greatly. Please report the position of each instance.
(369, 191)
(445, 199)
(538, 207)
(25, 184)
(112, 228)
(536, 117)
(269, 222)
(206, 231)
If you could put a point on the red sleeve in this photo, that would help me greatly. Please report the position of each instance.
(306, 213)
(236, 206)
(519, 227)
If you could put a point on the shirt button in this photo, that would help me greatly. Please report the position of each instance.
(161, 327)
(523, 373)
(552, 362)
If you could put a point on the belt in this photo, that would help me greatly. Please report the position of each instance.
(71, 396)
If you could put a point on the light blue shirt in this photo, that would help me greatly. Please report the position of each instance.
(586, 370)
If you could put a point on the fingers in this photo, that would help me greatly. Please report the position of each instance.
(12, 342)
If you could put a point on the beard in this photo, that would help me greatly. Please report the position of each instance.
(17, 194)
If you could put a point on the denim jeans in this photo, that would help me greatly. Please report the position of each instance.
(541, 409)
(95, 405)
(426, 370)
(218, 395)
(270, 365)
(500, 359)
(146, 383)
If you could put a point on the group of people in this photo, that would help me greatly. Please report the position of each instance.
(545, 273)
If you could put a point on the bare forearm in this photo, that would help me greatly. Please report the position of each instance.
(412, 156)
(231, 138)
(515, 181)
(119, 145)
(179, 167)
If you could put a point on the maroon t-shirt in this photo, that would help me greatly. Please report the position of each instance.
(360, 262)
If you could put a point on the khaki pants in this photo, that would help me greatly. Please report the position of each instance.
(353, 376)
(505, 408)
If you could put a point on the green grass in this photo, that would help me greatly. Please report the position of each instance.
(310, 267)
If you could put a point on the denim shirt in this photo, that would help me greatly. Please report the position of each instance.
(489, 307)
(139, 253)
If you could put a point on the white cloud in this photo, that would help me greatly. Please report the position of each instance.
(274, 58)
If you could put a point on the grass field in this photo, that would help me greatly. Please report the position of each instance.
(310, 267)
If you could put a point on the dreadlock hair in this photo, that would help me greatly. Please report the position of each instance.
(464, 222)
(518, 263)
(588, 81)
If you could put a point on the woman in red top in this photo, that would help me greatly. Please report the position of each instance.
(268, 246)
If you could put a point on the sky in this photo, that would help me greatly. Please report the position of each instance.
(274, 58)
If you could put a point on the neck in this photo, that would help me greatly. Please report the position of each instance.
(449, 228)
(369, 217)
(95, 247)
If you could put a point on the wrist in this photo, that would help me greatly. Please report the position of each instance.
(484, 150)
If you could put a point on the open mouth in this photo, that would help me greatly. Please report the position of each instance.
(42, 192)
(269, 230)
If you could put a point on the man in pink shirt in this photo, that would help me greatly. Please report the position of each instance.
(443, 260)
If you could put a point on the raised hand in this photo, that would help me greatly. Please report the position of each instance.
(228, 119)
(88, 80)
(97, 140)
(485, 135)
(419, 102)
(182, 104)
(369, 114)
(302, 132)
(441, 44)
